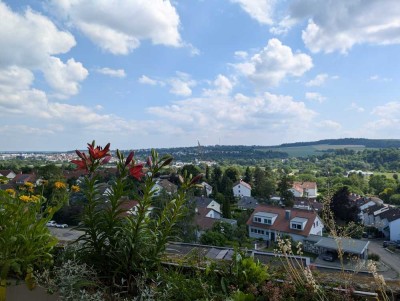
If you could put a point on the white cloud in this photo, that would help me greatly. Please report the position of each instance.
(319, 80)
(221, 86)
(119, 26)
(330, 125)
(241, 54)
(339, 25)
(275, 62)
(112, 72)
(224, 113)
(260, 10)
(355, 107)
(32, 42)
(145, 80)
(378, 78)
(386, 120)
(389, 110)
(315, 96)
(181, 87)
(64, 78)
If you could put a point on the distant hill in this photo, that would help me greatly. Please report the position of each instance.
(369, 143)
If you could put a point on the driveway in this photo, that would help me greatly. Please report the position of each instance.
(390, 259)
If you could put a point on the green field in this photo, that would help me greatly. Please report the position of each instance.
(304, 151)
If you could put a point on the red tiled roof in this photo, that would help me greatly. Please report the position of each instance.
(242, 183)
(282, 224)
(203, 222)
(304, 185)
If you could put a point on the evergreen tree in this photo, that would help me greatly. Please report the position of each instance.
(285, 183)
(248, 176)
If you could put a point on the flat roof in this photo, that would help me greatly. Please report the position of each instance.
(348, 245)
(266, 214)
(299, 220)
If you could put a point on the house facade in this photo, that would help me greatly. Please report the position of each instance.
(304, 189)
(241, 189)
(269, 222)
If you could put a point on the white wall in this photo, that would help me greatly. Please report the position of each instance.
(395, 230)
(317, 227)
(240, 190)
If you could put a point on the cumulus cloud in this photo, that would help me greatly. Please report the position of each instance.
(181, 84)
(221, 86)
(119, 26)
(273, 63)
(227, 113)
(339, 25)
(319, 80)
(315, 96)
(32, 42)
(330, 125)
(145, 80)
(259, 10)
(386, 120)
(355, 107)
(379, 78)
(112, 72)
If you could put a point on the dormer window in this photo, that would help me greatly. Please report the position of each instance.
(298, 223)
(257, 219)
(265, 218)
(296, 226)
(268, 221)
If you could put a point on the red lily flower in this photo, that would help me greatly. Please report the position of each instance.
(98, 152)
(81, 164)
(136, 171)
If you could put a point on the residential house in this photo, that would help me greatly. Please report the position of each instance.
(304, 189)
(207, 213)
(307, 204)
(9, 174)
(241, 188)
(247, 203)
(130, 207)
(384, 218)
(269, 222)
(164, 185)
(207, 188)
(21, 179)
(204, 202)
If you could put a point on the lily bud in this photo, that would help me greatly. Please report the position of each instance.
(196, 179)
(79, 154)
(118, 154)
(129, 158)
(149, 162)
(106, 160)
(180, 178)
(167, 162)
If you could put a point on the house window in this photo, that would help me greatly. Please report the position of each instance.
(267, 221)
(316, 223)
(296, 226)
(257, 219)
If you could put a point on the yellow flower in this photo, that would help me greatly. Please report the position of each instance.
(25, 198)
(59, 185)
(11, 192)
(75, 188)
(29, 185)
(35, 198)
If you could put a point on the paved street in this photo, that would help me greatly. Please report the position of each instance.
(391, 260)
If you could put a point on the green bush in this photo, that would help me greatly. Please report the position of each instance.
(374, 257)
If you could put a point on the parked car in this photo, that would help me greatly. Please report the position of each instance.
(61, 226)
(329, 256)
(51, 224)
(388, 243)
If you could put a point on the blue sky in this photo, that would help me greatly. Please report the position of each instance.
(141, 73)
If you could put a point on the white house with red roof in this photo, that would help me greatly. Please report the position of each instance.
(241, 188)
(304, 189)
(269, 222)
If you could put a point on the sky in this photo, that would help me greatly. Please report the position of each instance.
(159, 73)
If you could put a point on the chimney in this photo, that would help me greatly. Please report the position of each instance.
(287, 214)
